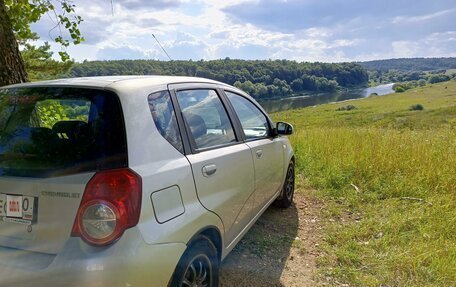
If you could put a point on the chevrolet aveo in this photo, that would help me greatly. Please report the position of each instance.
(133, 181)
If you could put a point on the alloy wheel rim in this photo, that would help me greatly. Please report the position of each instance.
(198, 272)
(290, 184)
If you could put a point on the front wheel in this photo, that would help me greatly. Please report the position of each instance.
(198, 267)
(286, 199)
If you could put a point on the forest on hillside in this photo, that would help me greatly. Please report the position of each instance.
(263, 79)
(260, 78)
(411, 64)
(410, 73)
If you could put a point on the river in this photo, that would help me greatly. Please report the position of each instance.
(276, 105)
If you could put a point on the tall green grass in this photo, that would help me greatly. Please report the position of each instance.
(390, 188)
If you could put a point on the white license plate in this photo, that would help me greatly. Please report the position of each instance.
(18, 208)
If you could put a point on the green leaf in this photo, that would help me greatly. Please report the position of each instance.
(23, 13)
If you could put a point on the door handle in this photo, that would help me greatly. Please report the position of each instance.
(259, 153)
(209, 170)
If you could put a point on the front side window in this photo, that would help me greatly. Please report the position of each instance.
(162, 110)
(49, 131)
(253, 121)
(206, 118)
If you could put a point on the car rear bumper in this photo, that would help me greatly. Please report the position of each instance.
(128, 262)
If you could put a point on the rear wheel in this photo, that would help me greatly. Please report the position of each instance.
(198, 267)
(286, 198)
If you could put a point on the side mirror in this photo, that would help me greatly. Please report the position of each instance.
(283, 128)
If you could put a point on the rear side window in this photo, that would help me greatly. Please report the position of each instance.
(206, 118)
(162, 110)
(49, 131)
(253, 121)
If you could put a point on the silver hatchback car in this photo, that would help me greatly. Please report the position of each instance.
(133, 180)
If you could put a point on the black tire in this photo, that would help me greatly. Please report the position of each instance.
(199, 265)
(286, 198)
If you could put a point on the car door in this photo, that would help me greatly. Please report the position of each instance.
(222, 165)
(267, 151)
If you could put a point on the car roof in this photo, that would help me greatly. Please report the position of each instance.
(125, 86)
(116, 82)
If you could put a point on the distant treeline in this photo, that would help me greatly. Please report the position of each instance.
(410, 73)
(411, 64)
(428, 78)
(394, 76)
(260, 78)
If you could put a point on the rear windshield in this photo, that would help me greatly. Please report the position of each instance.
(51, 131)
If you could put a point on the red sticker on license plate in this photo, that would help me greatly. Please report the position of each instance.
(13, 205)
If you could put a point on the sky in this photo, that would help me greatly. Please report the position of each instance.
(300, 30)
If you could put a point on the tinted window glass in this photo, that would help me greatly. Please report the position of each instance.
(206, 118)
(162, 111)
(253, 121)
(59, 131)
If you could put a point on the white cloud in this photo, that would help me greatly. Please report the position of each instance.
(220, 4)
(318, 32)
(403, 49)
(421, 18)
(210, 29)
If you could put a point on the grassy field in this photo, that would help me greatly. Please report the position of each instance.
(388, 177)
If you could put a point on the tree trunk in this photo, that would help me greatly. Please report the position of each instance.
(12, 68)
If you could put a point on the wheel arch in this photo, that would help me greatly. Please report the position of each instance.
(210, 234)
(293, 159)
(213, 234)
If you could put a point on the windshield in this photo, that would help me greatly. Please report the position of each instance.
(50, 131)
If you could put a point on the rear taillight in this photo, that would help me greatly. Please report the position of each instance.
(111, 204)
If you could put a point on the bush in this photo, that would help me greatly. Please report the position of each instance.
(417, 107)
(399, 89)
(438, 78)
(346, 108)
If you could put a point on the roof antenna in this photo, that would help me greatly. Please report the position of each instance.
(161, 47)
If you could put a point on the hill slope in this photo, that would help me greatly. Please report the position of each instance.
(411, 64)
(388, 177)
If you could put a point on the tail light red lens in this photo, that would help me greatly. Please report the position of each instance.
(111, 204)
